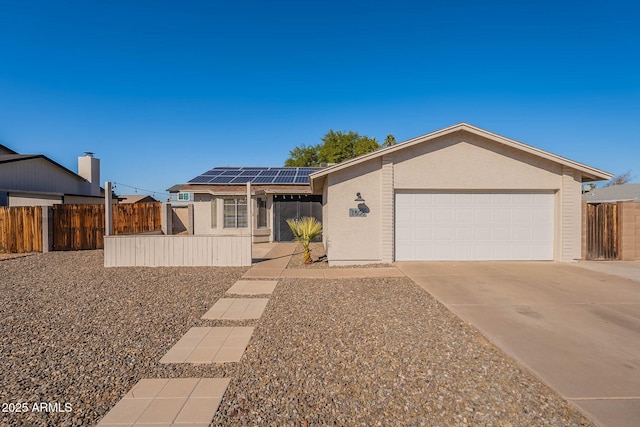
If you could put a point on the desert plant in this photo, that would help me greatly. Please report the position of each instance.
(304, 231)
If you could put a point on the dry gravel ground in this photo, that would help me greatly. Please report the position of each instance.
(325, 352)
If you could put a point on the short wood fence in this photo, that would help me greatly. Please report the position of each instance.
(73, 227)
(177, 251)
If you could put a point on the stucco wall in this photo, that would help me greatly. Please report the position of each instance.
(20, 199)
(204, 208)
(353, 240)
(465, 161)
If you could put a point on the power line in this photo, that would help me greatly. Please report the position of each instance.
(136, 189)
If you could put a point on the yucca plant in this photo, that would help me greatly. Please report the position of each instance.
(304, 231)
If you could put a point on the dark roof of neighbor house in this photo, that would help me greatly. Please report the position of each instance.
(8, 158)
(6, 150)
(613, 193)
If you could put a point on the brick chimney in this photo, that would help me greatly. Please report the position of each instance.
(89, 169)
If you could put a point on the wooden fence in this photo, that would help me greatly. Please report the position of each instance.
(603, 231)
(21, 229)
(75, 227)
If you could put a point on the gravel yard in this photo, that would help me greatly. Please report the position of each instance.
(340, 352)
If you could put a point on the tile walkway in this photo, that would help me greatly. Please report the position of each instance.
(210, 345)
(168, 402)
(253, 287)
(194, 401)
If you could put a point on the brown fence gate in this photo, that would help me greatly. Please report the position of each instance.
(77, 227)
(21, 229)
(603, 231)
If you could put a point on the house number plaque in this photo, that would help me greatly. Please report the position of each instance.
(356, 212)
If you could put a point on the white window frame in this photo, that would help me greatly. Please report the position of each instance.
(233, 211)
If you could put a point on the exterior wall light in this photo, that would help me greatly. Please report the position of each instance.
(359, 198)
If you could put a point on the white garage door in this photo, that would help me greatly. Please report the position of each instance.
(474, 226)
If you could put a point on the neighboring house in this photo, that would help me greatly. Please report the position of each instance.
(460, 193)
(613, 193)
(136, 198)
(36, 180)
(219, 195)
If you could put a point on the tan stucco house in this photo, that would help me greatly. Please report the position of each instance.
(460, 193)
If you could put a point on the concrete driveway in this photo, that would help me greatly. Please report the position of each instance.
(577, 330)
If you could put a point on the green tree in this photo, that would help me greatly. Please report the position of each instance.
(339, 146)
(336, 147)
(303, 156)
(389, 141)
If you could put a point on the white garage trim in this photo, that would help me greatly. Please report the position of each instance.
(461, 226)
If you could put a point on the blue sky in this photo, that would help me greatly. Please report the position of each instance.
(162, 91)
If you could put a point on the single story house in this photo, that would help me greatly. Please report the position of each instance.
(136, 198)
(613, 193)
(36, 180)
(460, 193)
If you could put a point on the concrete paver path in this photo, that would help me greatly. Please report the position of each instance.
(210, 345)
(577, 330)
(168, 402)
(237, 309)
(253, 287)
(274, 263)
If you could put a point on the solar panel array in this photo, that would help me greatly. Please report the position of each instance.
(255, 175)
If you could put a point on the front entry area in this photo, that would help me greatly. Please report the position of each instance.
(293, 206)
(467, 226)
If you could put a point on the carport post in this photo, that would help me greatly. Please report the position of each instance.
(108, 231)
(250, 217)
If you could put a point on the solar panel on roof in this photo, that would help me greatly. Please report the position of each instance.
(201, 178)
(255, 174)
(221, 180)
(284, 180)
(262, 179)
(242, 179)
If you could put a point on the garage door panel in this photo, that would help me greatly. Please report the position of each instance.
(501, 234)
(474, 226)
